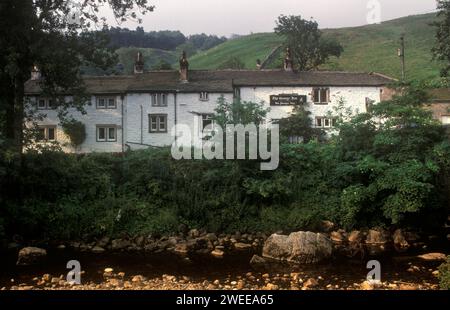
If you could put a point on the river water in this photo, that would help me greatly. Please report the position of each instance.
(337, 273)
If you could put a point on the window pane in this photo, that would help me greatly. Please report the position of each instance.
(101, 102)
(318, 122)
(112, 133)
(162, 123)
(41, 134)
(327, 122)
(51, 133)
(101, 134)
(333, 122)
(41, 103)
(111, 102)
(316, 95)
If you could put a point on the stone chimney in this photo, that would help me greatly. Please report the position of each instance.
(288, 62)
(35, 73)
(139, 64)
(184, 68)
(258, 64)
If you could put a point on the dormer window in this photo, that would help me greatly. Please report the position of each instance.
(159, 100)
(321, 95)
(106, 103)
(46, 104)
(204, 96)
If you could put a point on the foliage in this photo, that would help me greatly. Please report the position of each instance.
(75, 130)
(299, 124)
(371, 173)
(444, 275)
(239, 112)
(441, 50)
(309, 49)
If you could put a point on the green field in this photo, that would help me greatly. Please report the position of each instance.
(367, 48)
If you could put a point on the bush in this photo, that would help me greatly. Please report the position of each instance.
(368, 175)
(444, 275)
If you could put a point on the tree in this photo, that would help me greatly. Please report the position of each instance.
(56, 37)
(442, 49)
(300, 124)
(303, 37)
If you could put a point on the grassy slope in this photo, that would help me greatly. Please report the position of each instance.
(367, 48)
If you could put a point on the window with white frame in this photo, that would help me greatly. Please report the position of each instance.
(159, 100)
(207, 120)
(46, 133)
(325, 122)
(321, 95)
(106, 103)
(46, 104)
(204, 96)
(106, 133)
(157, 123)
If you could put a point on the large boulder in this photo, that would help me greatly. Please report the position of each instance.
(376, 241)
(31, 255)
(299, 247)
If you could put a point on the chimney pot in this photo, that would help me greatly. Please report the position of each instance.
(288, 62)
(258, 64)
(35, 73)
(184, 68)
(139, 64)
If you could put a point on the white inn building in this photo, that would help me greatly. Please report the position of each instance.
(137, 111)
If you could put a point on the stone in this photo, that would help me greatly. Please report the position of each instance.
(298, 247)
(194, 233)
(376, 241)
(98, 250)
(138, 279)
(139, 241)
(258, 261)
(376, 237)
(310, 283)
(31, 255)
(120, 244)
(367, 286)
(46, 277)
(337, 237)
(211, 237)
(103, 242)
(108, 270)
(217, 253)
(240, 285)
(400, 242)
(327, 226)
(271, 287)
(242, 246)
(355, 237)
(181, 249)
(433, 257)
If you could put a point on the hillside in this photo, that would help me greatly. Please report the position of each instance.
(367, 48)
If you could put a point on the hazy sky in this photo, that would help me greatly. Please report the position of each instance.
(225, 17)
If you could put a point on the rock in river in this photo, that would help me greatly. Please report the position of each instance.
(299, 247)
(31, 255)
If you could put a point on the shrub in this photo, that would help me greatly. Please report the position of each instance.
(444, 275)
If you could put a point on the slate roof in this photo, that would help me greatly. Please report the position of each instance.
(220, 81)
